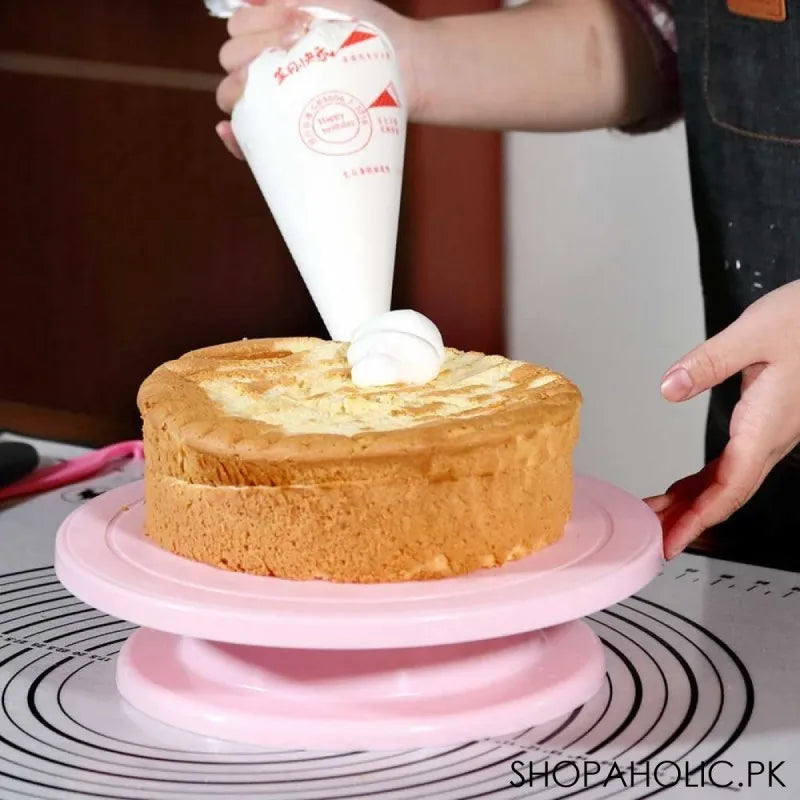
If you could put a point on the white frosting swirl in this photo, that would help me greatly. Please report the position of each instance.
(396, 347)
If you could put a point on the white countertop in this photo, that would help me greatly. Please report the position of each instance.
(702, 667)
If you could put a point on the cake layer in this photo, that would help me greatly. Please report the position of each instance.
(361, 533)
(214, 415)
(263, 457)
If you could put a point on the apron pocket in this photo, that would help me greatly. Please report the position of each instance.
(752, 73)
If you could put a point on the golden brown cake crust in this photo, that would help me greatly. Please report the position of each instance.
(474, 475)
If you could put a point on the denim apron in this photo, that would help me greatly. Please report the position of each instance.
(740, 80)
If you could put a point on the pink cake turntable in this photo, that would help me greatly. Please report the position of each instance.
(288, 664)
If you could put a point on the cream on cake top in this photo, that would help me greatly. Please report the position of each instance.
(309, 390)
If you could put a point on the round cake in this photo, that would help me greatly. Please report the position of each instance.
(262, 456)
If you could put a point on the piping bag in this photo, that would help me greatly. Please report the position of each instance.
(322, 127)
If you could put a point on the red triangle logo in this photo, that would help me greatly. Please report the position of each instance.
(356, 37)
(386, 99)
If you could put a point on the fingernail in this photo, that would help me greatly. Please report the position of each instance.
(677, 384)
(292, 36)
(298, 29)
(220, 128)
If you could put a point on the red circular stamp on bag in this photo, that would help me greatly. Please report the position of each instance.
(335, 124)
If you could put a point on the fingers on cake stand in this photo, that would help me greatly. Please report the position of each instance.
(311, 664)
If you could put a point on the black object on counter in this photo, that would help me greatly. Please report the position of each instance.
(17, 459)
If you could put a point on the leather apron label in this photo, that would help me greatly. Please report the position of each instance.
(769, 10)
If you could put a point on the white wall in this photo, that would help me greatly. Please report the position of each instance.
(602, 285)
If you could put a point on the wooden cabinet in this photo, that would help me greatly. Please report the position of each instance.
(130, 236)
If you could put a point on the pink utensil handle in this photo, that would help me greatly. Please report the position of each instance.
(72, 471)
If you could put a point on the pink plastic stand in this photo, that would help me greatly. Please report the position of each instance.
(311, 664)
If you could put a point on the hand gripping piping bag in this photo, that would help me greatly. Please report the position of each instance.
(323, 129)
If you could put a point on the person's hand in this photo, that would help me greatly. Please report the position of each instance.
(764, 345)
(280, 23)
